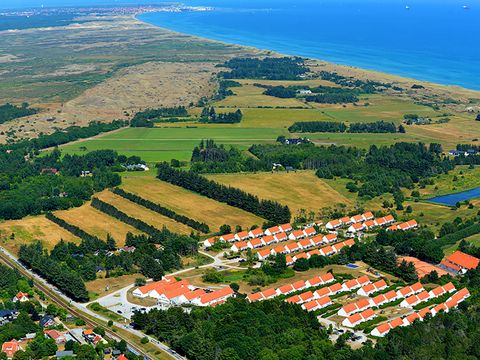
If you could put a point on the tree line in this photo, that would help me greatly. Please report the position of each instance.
(147, 118)
(75, 230)
(9, 112)
(209, 115)
(286, 68)
(270, 210)
(162, 210)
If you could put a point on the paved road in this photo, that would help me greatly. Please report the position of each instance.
(78, 309)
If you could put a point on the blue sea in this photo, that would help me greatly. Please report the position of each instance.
(437, 41)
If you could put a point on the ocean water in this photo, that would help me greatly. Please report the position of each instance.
(437, 41)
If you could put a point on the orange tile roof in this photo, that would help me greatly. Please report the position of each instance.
(383, 328)
(317, 239)
(451, 266)
(281, 236)
(286, 227)
(349, 308)
(345, 220)
(334, 223)
(297, 285)
(330, 237)
(301, 256)
(380, 284)
(417, 286)
(269, 293)
(194, 294)
(412, 223)
(268, 239)
(327, 249)
(380, 221)
(439, 290)
(351, 283)
(335, 287)
(176, 292)
(279, 248)
(369, 288)
(363, 279)
(243, 234)
(449, 287)
(349, 242)
(363, 303)
(403, 226)
(412, 317)
(314, 252)
(241, 245)
(324, 300)
(286, 288)
(366, 314)
(288, 259)
(357, 218)
(217, 294)
(273, 229)
(323, 291)
(310, 305)
(87, 332)
(298, 233)
(379, 299)
(327, 277)
(412, 300)
(396, 322)
(306, 296)
(357, 226)
(292, 246)
(293, 299)
(424, 312)
(389, 218)
(309, 231)
(256, 242)
(305, 242)
(463, 260)
(370, 223)
(368, 215)
(264, 252)
(440, 307)
(228, 237)
(390, 295)
(355, 318)
(423, 296)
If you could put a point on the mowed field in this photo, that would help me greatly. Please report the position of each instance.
(187, 203)
(97, 223)
(32, 229)
(139, 212)
(298, 190)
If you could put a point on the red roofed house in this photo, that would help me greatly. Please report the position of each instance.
(263, 254)
(269, 293)
(20, 297)
(272, 230)
(368, 289)
(214, 297)
(306, 243)
(210, 242)
(269, 239)
(459, 262)
(296, 235)
(281, 237)
(56, 335)
(357, 218)
(368, 215)
(255, 233)
(359, 318)
(285, 289)
(10, 348)
(333, 224)
(354, 228)
(327, 251)
(256, 243)
(293, 247)
(345, 220)
(286, 228)
(313, 252)
(228, 238)
(309, 231)
(243, 235)
(255, 297)
(239, 246)
(329, 238)
(122, 357)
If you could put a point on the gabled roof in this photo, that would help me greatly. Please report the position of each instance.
(383, 328)
(309, 231)
(334, 223)
(314, 252)
(396, 322)
(345, 220)
(335, 287)
(228, 237)
(323, 292)
(300, 256)
(256, 242)
(327, 277)
(268, 239)
(217, 294)
(194, 294)
(357, 218)
(286, 288)
(306, 296)
(390, 295)
(305, 242)
(286, 227)
(389, 218)
(241, 245)
(324, 300)
(242, 234)
(330, 237)
(294, 299)
(279, 249)
(300, 284)
(463, 260)
(292, 246)
(326, 250)
(256, 232)
(298, 233)
(412, 223)
(264, 252)
(273, 229)
(269, 293)
(363, 303)
(281, 236)
(363, 280)
(368, 215)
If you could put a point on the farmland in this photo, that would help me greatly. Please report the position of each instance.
(188, 203)
(298, 190)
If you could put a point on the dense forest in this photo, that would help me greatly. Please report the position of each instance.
(286, 68)
(148, 117)
(162, 210)
(210, 116)
(364, 86)
(270, 210)
(373, 127)
(9, 112)
(224, 89)
(52, 182)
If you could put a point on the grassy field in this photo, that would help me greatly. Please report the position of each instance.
(97, 223)
(139, 212)
(31, 229)
(474, 240)
(460, 179)
(188, 203)
(104, 286)
(298, 190)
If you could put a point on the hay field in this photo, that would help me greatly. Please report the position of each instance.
(187, 203)
(97, 223)
(31, 229)
(298, 190)
(144, 214)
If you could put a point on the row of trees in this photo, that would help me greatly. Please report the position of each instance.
(162, 210)
(67, 280)
(75, 230)
(364, 86)
(148, 117)
(331, 126)
(9, 112)
(209, 115)
(64, 136)
(270, 210)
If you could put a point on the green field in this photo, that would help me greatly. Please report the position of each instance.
(163, 144)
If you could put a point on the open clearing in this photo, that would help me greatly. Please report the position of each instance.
(187, 203)
(97, 223)
(298, 190)
(460, 179)
(142, 213)
(31, 229)
(104, 286)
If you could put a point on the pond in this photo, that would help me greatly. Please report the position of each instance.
(452, 199)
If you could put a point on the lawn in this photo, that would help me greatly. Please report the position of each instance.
(97, 223)
(139, 212)
(31, 229)
(188, 203)
(104, 286)
(298, 190)
(474, 240)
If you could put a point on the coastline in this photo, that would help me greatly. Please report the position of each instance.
(357, 70)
